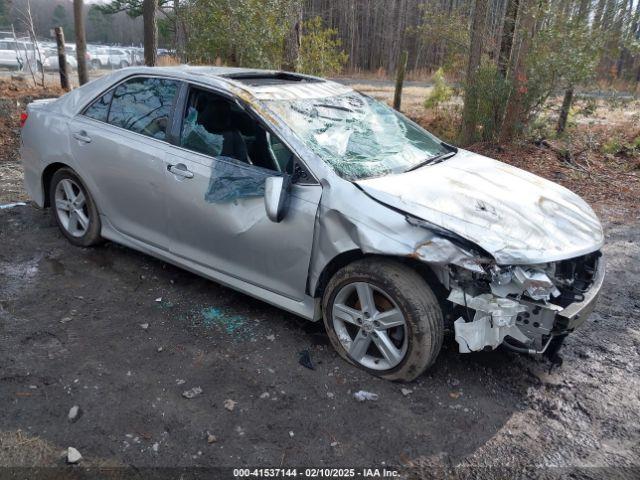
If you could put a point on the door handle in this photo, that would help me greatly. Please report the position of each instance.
(82, 136)
(180, 169)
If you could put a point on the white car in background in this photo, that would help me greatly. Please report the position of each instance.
(108, 57)
(50, 59)
(15, 54)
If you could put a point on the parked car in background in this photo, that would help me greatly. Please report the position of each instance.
(15, 54)
(108, 57)
(50, 59)
(325, 202)
(136, 55)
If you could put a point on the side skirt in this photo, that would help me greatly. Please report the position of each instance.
(308, 308)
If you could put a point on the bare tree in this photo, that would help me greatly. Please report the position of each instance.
(26, 19)
(81, 41)
(514, 110)
(475, 53)
(149, 8)
(292, 40)
(508, 29)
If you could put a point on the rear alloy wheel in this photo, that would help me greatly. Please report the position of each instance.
(73, 208)
(383, 317)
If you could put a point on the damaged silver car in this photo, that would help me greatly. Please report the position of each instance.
(322, 201)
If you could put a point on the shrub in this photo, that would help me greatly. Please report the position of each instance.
(441, 91)
(320, 49)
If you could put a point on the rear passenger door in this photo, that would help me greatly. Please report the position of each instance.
(119, 143)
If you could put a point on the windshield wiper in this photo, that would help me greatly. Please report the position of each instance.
(333, 107)
(433, 160)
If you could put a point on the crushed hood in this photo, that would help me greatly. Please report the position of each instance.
(516, 216)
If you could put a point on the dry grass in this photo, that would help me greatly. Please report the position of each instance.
(168, 61)
(21, 449)
(18, 449)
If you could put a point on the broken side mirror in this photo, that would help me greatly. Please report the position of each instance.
(276, 197)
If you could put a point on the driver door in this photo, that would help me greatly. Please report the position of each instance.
(216, 211)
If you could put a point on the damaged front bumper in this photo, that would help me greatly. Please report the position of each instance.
(518, 322)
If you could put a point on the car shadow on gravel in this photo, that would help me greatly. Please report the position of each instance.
(123, 336)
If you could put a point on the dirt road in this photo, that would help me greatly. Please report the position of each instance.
(122, 336)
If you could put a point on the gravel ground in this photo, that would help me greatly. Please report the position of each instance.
(73, 331)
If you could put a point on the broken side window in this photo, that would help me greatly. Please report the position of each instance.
(216, 126)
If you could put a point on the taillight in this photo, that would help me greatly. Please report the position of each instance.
(23, 118)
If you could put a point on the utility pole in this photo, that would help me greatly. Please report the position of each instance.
(62, 60)
(81, 41)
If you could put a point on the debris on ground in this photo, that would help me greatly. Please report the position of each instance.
(144, 326)
(406, 391)
(192, 393)
(271, 337)
(159, 299)
(180, 381)
(73, 455)
(455, 395)
(291, 434)
(264, 395)
(305, 360)
(12, 205)
(74, 413)
(155, 447)
(230, 404)
(363, 395)
(211, 438)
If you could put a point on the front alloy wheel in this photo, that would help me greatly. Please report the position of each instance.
(370, 326)
(382, 316)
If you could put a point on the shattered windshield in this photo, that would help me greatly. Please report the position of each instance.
(358, 136)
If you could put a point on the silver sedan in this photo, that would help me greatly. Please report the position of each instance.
(310, 196)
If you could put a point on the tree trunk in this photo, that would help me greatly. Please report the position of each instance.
(506, 45)
(180, 40)
(150, 32)
(513, 118)
(81, 41)
(564, 110)
(470, 109)
(397, 97)
(292, 40)
(62, 59)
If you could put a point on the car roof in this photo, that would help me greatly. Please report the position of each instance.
(260, 84)
(250, 85)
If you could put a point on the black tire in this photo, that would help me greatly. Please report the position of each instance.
(414, 298)
(92, 234)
